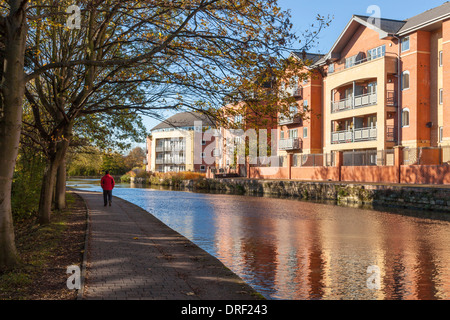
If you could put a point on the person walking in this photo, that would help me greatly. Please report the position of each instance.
(107, 184)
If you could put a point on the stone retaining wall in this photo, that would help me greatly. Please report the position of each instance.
(420, 197)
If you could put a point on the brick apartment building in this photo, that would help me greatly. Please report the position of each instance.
(386, 83)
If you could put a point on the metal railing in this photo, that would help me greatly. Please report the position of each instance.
(294, 118)
(354, 135)
(426, 156)
(314, 160)
(342, 65)
(360, 101)
(290, 144)
(369, 158)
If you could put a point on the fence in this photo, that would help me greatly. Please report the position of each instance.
(314, 160)
(426, 156)
(368, 158)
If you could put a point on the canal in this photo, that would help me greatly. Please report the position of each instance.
(292, 250)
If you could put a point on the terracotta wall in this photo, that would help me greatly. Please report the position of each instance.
(425, 174)
(446, 76)
(269, 173)
(370, 174)
(315, 173)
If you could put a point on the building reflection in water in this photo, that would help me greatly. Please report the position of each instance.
(295, 250)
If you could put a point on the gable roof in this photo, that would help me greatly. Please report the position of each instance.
(184, 119)
(386, 28)
(306, 56)
(429, 19)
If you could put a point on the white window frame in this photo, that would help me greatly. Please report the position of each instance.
(203, 155)
(202, 168)
(441, 58)
(376, 53)
(293, 133)
(350, 61)
(331, 68)
(403, 41)
(403, 111)
(305, 132)
(441, 96)
(403, 80)
(441, 134)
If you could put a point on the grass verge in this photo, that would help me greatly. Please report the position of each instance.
(45, 252)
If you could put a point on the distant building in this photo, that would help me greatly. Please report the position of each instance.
(177, 145)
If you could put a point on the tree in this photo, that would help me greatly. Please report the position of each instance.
(13, 32)
(135, 158)
(165, 54)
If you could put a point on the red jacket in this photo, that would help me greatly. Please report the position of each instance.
(108, 182)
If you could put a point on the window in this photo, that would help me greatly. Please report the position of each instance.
(203, 142)
(282, 135)
(376, 53)
(305, 133)
(405, 80)
(203, 155)
(441, 134)
(331, 68)
(441, 58)
(350, 62)
(441, 96)
(305, 105)
(293, 134)
(405, 44)
(405, 118)
(202, 168)
(293, 110)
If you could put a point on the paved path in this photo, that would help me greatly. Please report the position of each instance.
(132, 255)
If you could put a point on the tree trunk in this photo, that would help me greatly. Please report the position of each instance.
(12, 94)
(60, 188)
(48, 183)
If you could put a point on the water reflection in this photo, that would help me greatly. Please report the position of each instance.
(289, 249)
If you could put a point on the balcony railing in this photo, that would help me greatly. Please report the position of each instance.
(354, 135)
(175, 160)
(360, 101)
(159, 149)
(294, 118)
(343, 65)
(290, 144)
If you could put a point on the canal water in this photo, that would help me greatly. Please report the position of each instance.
(293, 250)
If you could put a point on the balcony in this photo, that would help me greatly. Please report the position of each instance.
(159, 149)
(175, 160)
(296, 91)
(361, 101)
(391, 60)
(354, 135)
(290, 144)
(294, 118)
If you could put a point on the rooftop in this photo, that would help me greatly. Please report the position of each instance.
(184, 119)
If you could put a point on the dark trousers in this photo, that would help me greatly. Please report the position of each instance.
(107, 196)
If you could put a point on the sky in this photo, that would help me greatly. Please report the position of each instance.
(304, 12)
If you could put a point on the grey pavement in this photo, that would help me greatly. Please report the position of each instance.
(132, 255)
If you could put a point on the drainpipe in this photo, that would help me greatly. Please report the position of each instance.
(399, 89)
